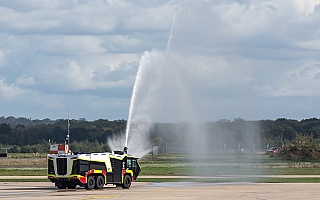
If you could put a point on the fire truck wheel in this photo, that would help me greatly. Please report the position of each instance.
(61, 185)
(90, 183)
(71, 185)
(126, 181)
(99, 182)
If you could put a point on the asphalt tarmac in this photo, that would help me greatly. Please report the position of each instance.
(165, 190)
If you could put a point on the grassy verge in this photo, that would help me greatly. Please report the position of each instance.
(23, 171)
(178, 171)
(26, 155)
(178, 165)
(214, 165)
(224, 170)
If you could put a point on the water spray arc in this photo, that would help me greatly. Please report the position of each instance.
(137, 84)
(171, 32)
(132, 104)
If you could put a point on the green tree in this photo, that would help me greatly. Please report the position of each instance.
(5, 133)
(26, 149)
(15, 149)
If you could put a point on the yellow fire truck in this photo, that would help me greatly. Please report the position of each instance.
(92, 170)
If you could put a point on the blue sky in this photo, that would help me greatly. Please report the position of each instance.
(225, 59)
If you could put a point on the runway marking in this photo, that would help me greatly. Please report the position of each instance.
(101, 197)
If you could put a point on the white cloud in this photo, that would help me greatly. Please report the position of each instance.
(306, 7)
(26, 21)
(71, 76)
(120, 43)
(74, 45)
(218, 71)
(231, 52)
(310, 45)
(154, 18)
(85, 16)
(75, 76)
(256, 17)
(26, 99)
(301, 81)
(25, 80)
(9, 92)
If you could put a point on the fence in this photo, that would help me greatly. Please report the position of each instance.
(179, 149)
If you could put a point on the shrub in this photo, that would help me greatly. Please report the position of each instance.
(304, 147)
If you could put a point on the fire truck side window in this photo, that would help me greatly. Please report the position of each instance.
(134, 164)
(129, 163)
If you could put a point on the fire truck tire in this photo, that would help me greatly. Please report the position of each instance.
(71, 185)
(99, 182)
(126, 182)
(60, 185)
(90, 183)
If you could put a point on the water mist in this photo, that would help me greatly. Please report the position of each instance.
(173, 96)
(136, 136)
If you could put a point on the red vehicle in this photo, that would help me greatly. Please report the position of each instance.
(273, 150)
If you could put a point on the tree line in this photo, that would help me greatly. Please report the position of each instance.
(27, 135)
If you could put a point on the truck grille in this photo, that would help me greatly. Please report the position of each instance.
(62, 166)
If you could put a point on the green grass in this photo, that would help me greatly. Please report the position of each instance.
(23, 171)
(214, 165)
(26, 155)
(176, 171)
(203, 171)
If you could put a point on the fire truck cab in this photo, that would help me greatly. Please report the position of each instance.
(92, 170)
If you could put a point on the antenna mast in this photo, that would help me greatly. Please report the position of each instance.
(68, 135)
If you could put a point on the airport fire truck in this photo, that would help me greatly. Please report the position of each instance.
(91, 170)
